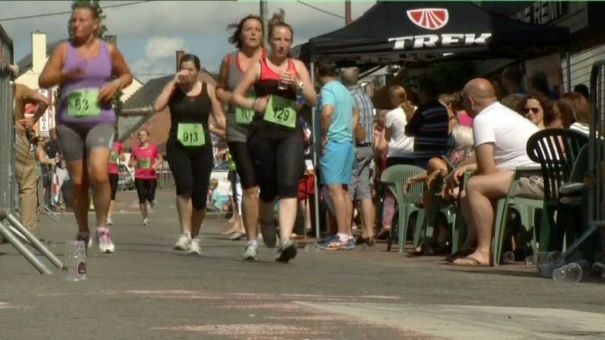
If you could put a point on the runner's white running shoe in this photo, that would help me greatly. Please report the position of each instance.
(183, 242)
(251, 252)
(194, 247)
(105, 243)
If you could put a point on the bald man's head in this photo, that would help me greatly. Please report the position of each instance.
(480, 88)
(480, 93)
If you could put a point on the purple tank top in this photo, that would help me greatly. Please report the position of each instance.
(97, 72)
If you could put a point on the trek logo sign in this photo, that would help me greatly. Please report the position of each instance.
(429, 18)
(434, 19)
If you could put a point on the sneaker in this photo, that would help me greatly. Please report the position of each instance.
(109, 221)
(105, 243)
(286, 252)
(145, 221)
(183, 242)
(251, 252)
(269, 237)
(194, 247)
(349, 244)
(338, 244)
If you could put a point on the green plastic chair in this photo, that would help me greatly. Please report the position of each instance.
(394, 178)
(454, 219)
(526, 207)
(425, 229)
(556, 151)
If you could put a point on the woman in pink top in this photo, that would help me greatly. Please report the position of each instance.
(146, 159)
(117, 155)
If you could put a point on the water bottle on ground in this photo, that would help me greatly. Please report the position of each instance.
(571, 272)
(598, 270)
(75, 261)
(547, 262)
(312, 248)
(508, 257)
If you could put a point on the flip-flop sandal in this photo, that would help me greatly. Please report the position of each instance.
(237, 236)
(468, 262)
(460, 253)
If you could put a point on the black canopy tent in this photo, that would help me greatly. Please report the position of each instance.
(407, 31)
(418, 32)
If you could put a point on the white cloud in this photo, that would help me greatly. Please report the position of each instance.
(201, 25)
(163, 47)
(159, 57)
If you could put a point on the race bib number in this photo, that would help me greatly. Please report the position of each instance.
(83, 103)
(191, 134)
(115, 158)
(144, 163)
(281, 111)
(243, 116)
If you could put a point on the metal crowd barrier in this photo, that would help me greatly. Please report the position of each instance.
(11, 228)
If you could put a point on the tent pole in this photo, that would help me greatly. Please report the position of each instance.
(568, 68)
(315, 163)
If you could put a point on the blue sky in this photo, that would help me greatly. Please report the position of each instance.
(149, 33)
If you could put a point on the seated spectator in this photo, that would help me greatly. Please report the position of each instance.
(583, 90)
(428, 125)
(500, 146)
(574, 111)
(538, 109)
(438, 168)
(400, 149)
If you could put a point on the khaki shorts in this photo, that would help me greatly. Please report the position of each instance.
(529, 187)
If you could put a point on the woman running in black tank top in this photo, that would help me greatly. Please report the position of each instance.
(189, 146)
(275, 137)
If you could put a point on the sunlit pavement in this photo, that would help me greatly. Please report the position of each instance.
(147, 290)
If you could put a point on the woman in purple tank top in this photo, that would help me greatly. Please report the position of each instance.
(89, 73)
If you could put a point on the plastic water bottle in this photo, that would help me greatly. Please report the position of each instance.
(547, 262)
(571, 272)
(508, 257)
(75, 261)
(598, 270)
(312, 248)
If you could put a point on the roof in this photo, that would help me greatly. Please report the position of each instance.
(143, 98)
(25, 64)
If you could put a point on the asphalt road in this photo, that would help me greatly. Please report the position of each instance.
(146, 290)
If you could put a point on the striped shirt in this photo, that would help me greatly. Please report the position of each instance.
(429, 126)
(366, 111)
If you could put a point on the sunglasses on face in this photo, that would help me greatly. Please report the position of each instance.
(533, 110)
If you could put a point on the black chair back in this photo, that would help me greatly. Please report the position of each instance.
(556, 150)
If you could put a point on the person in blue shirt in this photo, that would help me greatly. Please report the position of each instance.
(338, 116)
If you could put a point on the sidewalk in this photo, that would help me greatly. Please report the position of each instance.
(146, 290)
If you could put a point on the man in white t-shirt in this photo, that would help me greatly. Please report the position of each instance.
(500, 146)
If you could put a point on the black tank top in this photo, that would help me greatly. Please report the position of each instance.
(185, 109)
(267, 84)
